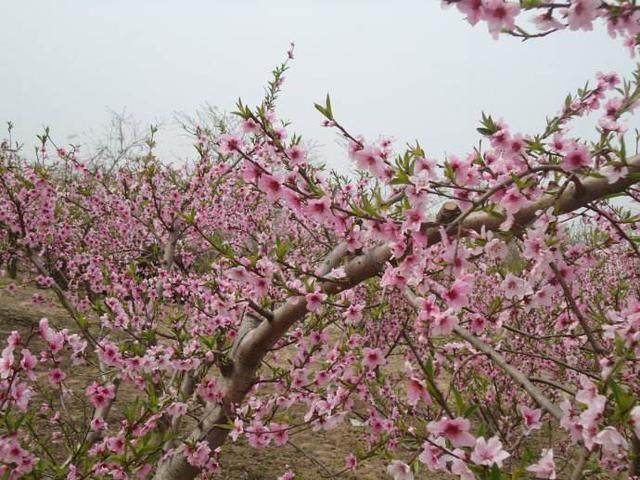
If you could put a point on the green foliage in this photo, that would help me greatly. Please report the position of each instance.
(325, 109)
(488, 127)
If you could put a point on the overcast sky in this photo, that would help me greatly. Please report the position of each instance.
(408, 69)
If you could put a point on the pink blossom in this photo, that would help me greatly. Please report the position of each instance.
(496, 249)
(455, 430)
(372, 357)
(500, 140)
(296, 155)
(6, 362)
(421, 182)
(288, 475)
(614, 172)
(28, 361)
(280, 133)
(443, 323)
(393, 277)
(558, 143)
(314, 301)
(459, 467)
(543, 297)
(546, 21)
(513, 200)
(472, 9)
(581, 13)
(351, 462)
(280, 433)
(238, 429)
(531, 418)
(546, 467)
(229, 144)
(98, 424)
(210, 390)
(516, 147)
(414, 218)
(534, 245)
(272, 186)
(610, 440)
(199, 455)
(608, 125)
(576, 157)
(116, 443)
(369, 158)
(500, 14)
(250, 171)
(320, 209)
(489, 452)
(426, 166)
(292, 199)
(607, 80)
(457, 295)
(399, 470)
(588, 394)
(258, 435)
(21, 394)
(56, 376)
(459, 168)
(177, 409)
(630, 43)
(478, 323)
(100, 395)
(612, 107)
(55, 340)
(144, 471)
(635, 419)
(433, 455)
(417, 391)
(513, 287)
(353, 313)
(249, 126)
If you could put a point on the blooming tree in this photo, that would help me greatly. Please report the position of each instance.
(475, 316)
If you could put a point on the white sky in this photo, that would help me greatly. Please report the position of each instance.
(402, 68)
